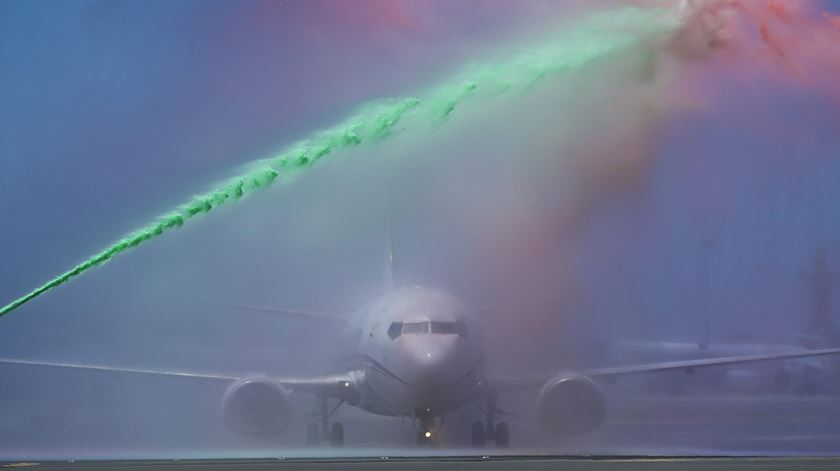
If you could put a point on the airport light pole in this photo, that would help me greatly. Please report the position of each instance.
(708, 246)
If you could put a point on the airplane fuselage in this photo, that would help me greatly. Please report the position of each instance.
(420, 354)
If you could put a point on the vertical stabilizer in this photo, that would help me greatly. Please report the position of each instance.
(388, 283)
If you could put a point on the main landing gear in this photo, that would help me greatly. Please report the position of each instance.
(498, 432)
(324, 432)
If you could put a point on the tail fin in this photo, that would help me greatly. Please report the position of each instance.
(388, 282)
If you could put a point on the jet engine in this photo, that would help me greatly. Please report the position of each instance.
(256, 407)
(570, 405)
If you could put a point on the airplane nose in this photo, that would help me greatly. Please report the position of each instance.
(434, 360)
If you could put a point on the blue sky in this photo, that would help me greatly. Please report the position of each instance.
(115, 110)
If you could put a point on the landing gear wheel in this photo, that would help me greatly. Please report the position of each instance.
(313, 435)
(501, 435)
(478, 436)
(337, 435)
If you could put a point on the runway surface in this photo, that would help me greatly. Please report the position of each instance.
(491, 464)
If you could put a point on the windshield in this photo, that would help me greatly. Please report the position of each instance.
(335, 228)
(444, 327)
(416, 328)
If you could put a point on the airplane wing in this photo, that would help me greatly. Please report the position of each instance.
(112, 369)
(689, 365)
(337, 386)
(499, 386)
(294, 313)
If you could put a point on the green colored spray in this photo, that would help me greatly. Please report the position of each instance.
(595, 37)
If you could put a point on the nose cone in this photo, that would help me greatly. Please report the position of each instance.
(433, 364)
(433, 356)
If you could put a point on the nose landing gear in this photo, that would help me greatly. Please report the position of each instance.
(429, 434)
(428, 439)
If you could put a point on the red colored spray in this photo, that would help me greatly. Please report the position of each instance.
(788, 40)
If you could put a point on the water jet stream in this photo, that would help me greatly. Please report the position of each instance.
(595, 36)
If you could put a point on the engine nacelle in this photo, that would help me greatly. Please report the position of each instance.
(256, 407)
(570, 405)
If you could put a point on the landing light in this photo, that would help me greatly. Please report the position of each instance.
(428, 434)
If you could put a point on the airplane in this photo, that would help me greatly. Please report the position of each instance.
(419, 355)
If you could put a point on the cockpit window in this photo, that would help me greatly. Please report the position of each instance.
(415, 328)
(444, 327)
(424, 327)
(462, 329)
(395, 329)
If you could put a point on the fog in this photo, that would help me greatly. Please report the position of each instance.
(693, 173)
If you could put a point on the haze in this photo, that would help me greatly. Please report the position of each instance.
(577, 211)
